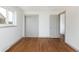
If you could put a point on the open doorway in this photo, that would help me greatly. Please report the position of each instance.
(62, 24)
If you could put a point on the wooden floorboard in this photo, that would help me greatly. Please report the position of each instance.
(40, 45)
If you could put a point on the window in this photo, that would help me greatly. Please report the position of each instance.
(10, 17)
(3, 11)
(7, 16)
(2, 15)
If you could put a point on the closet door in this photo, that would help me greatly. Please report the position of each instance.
(54, 26)
(32, 27)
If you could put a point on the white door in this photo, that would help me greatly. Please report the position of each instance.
(31, 25)
(54, 26)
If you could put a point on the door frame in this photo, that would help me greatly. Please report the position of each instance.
(24, 25)
(64, 12)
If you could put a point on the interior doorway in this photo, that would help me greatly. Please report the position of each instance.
(62, 24)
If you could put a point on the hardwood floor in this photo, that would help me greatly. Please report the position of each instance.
(40, 45)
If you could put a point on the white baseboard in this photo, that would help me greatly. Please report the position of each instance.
(44, 36)
(77, 50)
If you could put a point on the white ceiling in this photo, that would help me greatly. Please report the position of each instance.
(43, 8)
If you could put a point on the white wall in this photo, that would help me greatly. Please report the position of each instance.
(44, 22)
(44, 25)
(72, 27)
(9, 35)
